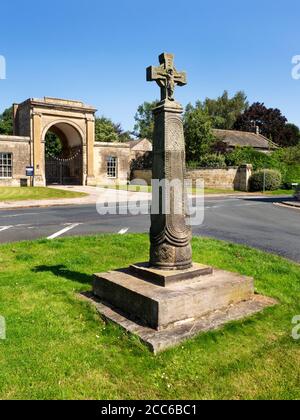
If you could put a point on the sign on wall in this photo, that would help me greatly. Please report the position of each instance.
(29, 171)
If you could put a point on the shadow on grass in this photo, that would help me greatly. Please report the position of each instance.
(271, 199)
(62, 271)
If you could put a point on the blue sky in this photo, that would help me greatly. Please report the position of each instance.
(97, 51)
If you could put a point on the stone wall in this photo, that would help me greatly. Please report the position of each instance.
(102, 151)
(143, 175)
(20, 149)
(229, 179)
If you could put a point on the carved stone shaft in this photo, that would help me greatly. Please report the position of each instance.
(170, 236)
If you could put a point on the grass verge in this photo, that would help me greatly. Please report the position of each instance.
(210, 191)
(58, 348)
(36, 193)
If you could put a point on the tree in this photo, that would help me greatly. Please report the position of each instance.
(53, 145)
(198, 133)
(144, 120)
(270, 121)
(224, 110)
(6, 122)
(290, 136)
(109, 132)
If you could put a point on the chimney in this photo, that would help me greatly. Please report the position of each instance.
(257, 130)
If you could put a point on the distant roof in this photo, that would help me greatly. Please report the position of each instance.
(135, 143)
(244, 139)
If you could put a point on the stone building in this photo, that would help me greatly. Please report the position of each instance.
(235, 139)
(83, 161)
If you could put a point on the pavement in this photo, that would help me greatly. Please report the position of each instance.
(253, 221)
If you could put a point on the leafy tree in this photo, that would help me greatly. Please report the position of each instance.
(107, 131)
(6, 122)
(53, 146)
(270, 121)
(198, 133)
(144, 120)
(290, 136)
(224, 110)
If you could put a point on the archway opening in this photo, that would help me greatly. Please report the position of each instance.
(63, 155)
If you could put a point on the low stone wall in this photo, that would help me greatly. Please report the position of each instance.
(227, 179)
(143, 175)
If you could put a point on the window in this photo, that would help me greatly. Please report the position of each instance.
(5, 165)
(112, 167)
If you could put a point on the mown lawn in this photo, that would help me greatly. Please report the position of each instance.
(36, 193)
(58, 348)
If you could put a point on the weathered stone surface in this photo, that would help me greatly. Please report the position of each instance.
(34, 117)
(170, 236)
(159, 307)
(158, 341)
(166, 277)
(19, 147)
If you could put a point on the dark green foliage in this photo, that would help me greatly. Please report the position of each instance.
(53, 145)
(287, 161)
(199, 137)
(213, 161)
(142, 162)
(265, 180)
(109, 132)
(243, 155)
(144, 121)
(6, 122)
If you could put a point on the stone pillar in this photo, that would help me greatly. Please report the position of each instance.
(170, 236)
(38, 157)
(90, 141)
(245, 172)
(15, 122)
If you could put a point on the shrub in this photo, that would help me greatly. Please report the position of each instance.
(243, 155)
(269, 178)
(213, 161)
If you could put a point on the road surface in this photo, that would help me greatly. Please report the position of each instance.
(256, 222)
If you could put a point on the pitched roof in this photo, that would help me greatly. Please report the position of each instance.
(244, 139)
(135, 143)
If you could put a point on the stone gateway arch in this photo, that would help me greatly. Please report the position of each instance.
(73, 123)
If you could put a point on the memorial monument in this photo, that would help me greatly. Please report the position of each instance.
(170, 298)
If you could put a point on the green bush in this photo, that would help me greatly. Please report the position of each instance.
(213, 161)
(268, 179)
(243, 155)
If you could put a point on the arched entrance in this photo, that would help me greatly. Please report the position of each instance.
(63, 155)
(72, 126)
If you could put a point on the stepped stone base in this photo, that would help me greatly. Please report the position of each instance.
(165, 307)
(158, 341)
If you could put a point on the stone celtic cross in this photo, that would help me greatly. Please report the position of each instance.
(170, 236)
(166, 76)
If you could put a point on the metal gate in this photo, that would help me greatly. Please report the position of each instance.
(65, 170)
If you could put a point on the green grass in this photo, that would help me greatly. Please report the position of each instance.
(36, 193)
(281, 192)
(212, 191)
(145, 188)
(58, 348)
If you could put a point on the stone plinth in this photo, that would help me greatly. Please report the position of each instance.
(167, 277)
(161, 307)
(165, 316)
